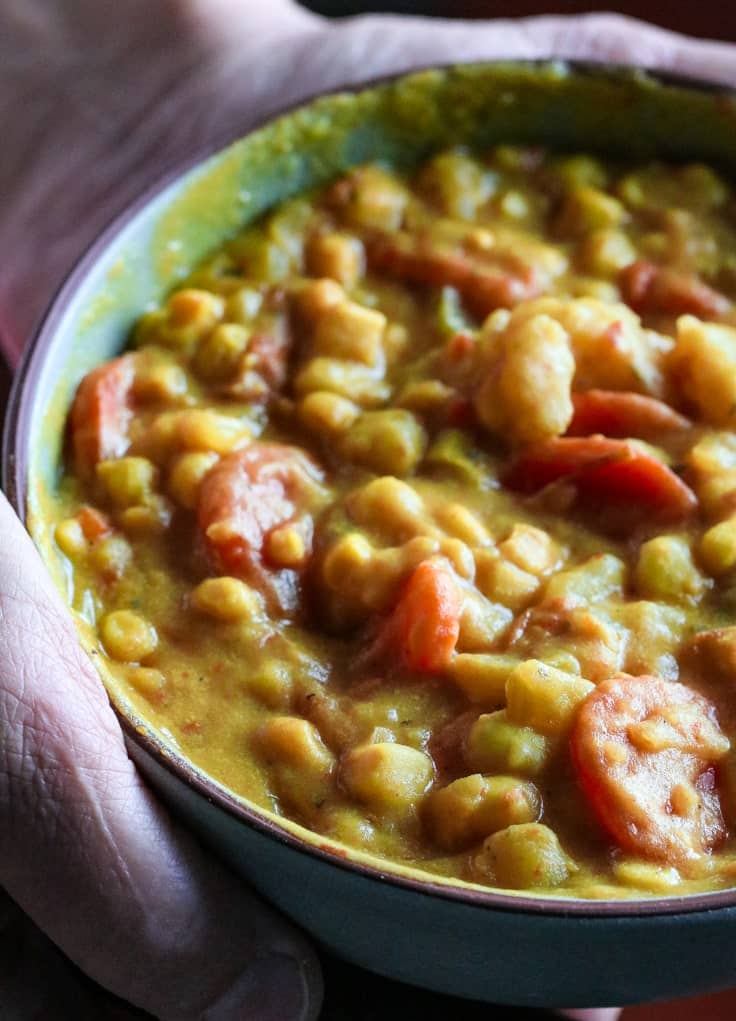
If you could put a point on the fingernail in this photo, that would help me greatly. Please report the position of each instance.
(274, 988)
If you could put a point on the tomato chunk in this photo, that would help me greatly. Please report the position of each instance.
(644, 750)
(622, 413)
(662, 290)
(247, 496)
(606, 473)
(425, 624)
(101, 414)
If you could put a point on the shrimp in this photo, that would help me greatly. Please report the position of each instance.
(101, 414)
(255, 513)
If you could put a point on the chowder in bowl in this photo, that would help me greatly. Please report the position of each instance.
(402, 532)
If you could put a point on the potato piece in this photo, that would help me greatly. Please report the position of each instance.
(371, 197)
(586, 209)
(666, 570)
(300, 764)
(600, 577)
(350, 332)
(471, 808)
(605, 252)
(482, 676)
(544, 698)
(387, 441)
(531, 549)
(703, 365)
(482, 622)
(357, 382)
(457, 184)
(495, 745)
(524, 857)
(127, 481)
(503, 582)
(338, 256)
(389, 778)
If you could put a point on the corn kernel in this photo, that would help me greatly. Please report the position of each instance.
(718, 547)
(127, 481)
(202, 429)
(71, 539)
(217, 354)
(161, 384)
(286, 547)
(147, 682)
(227, 599)
(323, 411)
(186, 475)
(111, 556)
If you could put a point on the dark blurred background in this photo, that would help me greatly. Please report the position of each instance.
(710, 19)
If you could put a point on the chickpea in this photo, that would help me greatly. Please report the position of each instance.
(186, 475)
(718, 547)
(524, 857)
(227, 599)
(217, 354)
(389, 778)
(325, 412)
(70, 538)
(390, 440)
(128, 637)
(665, 570)
(471, 808)
(127, 481)
(111, 556)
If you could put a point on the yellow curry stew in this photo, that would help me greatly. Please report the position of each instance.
(411, 516)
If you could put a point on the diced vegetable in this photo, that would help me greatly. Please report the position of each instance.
(426, 622)
(644, 750)
(618, 413)
(604, 472)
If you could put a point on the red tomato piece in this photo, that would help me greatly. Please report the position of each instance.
(426, 621)
(248, 494)
(606, 473)
(644, 750)
(648, 288)
(622, 413)
(101, 414)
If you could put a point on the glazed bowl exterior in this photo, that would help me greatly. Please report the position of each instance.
(448, 936)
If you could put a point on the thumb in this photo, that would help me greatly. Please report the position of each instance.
(92, 857)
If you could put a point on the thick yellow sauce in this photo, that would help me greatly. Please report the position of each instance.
(321, 522)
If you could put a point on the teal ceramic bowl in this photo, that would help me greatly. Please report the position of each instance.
(459, 939)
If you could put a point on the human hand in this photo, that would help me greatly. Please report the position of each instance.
(91, 114)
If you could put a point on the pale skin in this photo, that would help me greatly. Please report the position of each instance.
(97, 99)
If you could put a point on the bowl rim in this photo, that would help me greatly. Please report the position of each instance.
(14, 464)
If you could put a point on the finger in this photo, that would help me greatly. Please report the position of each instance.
(91, 856)
(360, 48)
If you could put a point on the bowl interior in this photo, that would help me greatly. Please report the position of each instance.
(617, 111)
